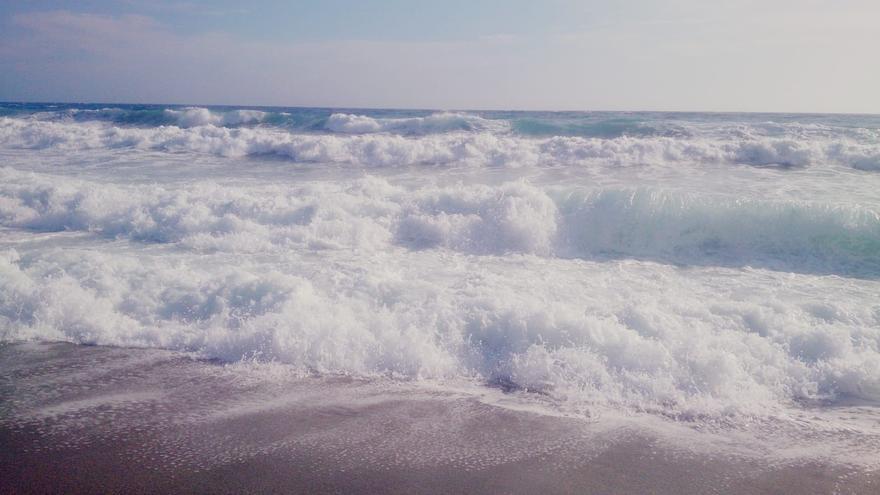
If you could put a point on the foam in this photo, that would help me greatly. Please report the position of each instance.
(197, 116)
(149, 116)
(515, 217)
(434, 123)
(478, 149)
(721, 273)
(624, 334)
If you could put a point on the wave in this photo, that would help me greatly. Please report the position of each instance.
(157, 116)
(432, 124)
(604, 125)
(640, 336)
(598, 126)
(467, 149)
(304, 120)
(196, 116)
(549, 289)
(517, 217)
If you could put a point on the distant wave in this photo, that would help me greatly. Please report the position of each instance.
(469, 149)
(432, 124)
(195, 116)
(344, 123)
(152, 117)
(602, 125)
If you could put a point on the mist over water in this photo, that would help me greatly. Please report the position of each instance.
(718, 266)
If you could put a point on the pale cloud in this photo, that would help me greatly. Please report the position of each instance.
(134, 58)
(185, 8)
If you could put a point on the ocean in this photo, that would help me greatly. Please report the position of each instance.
(703, 271)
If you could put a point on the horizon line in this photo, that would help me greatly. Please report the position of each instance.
(427, 109)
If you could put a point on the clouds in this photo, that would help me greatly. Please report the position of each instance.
(788, 59)
(132, 58)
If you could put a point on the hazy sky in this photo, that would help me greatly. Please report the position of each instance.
(738, 55)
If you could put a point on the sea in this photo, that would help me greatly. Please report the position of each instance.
(711, 271)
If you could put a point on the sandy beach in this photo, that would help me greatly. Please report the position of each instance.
(78, 419)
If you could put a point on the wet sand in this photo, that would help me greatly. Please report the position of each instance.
(80, 419)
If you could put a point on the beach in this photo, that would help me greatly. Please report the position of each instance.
(80, 419)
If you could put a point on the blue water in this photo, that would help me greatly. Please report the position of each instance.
(542, 124)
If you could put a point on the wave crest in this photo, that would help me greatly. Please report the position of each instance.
(467, 149)
(517, 217)
(197, 116)
(432, 124)
(638, 336)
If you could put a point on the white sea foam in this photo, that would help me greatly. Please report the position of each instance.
(458, 148)
(515, 217)
(197, 116)
(415, 302)
(434, 123)
(627, 333)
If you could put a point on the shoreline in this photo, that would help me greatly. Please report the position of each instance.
(80, 419)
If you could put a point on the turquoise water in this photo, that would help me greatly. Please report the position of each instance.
(582, 124)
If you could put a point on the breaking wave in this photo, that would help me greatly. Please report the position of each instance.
(153, 116)
(640, 336)
(432, 124)
(515, 217)
(456, 148)
(195, 116)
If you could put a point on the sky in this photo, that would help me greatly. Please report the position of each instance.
(670, 55)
